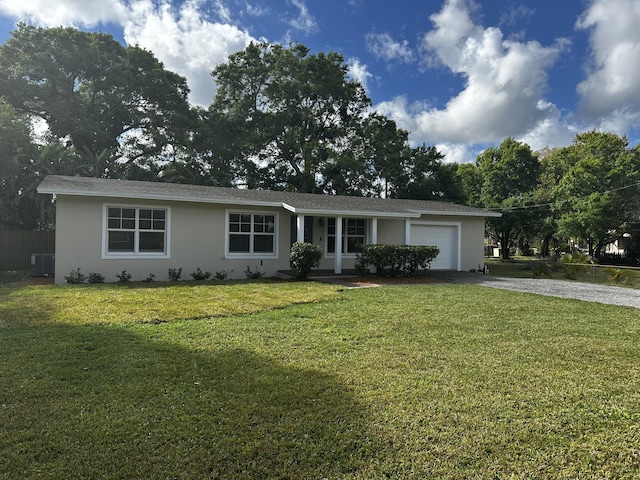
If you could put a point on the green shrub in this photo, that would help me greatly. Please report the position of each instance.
(175, 274)
(149, 278)
(542, 270)
(392, 260)
(255, 274)
(221, 275)
(200, 275)
(575, 263)
(303, 258)
(621, 276)
(124, 276)
(95, 278)
(75, 277)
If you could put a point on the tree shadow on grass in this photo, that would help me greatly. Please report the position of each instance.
(89, 402)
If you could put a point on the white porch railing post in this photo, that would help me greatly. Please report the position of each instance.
(407, 231)
(374, 231)
(338, 260)
(300, 228)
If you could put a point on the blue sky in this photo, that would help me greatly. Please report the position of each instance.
(458, 74)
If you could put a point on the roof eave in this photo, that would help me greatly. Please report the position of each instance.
(352, 213)
(162, 198)
(460, 213)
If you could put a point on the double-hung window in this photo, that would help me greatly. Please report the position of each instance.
(251, 234)
(136, 231)
(353, 235)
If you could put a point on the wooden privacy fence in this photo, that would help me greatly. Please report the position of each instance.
(16, 247)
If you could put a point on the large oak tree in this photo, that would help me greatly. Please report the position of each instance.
(95, 94)
(283, 118)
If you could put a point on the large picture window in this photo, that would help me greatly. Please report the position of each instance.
(252, 234)
(136, 231)
(353, 235)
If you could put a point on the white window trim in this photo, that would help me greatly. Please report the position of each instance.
(124, 255)
(260, 255)
(344, 254)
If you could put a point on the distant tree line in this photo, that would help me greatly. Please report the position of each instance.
(587, 193)
(78, 103)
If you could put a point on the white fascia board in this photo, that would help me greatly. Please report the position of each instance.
(163, 198)
(454, 213)
(350, 213)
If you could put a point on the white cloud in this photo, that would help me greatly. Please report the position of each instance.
(185, 42)
(256, 10)
(404, 115)
(223, 12)
(505, 83)
(459, 153)
(359, 72)
(610, 94)
(48, 13)
(383, 46)
(304, 22)
(356, 4)
(515, 14)
(554, 130)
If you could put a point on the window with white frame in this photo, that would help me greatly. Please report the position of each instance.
(353, 235)
(251, 234)
(136, 231)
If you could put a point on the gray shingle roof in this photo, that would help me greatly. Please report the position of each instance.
(302, 203)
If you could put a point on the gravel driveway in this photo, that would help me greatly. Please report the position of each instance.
(626, 297)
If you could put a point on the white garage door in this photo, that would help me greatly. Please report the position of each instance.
(445, 237)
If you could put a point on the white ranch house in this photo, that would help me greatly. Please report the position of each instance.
(107, 226)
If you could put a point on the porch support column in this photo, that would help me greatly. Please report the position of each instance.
(300, 228)
(338, 260)
(374, 231)
(407, 231)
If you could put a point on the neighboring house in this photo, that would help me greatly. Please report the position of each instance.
(619, 246)
(107, 226)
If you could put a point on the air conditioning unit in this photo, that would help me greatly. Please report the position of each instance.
(43, 265)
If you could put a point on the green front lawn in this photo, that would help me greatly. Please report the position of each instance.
(301, 380)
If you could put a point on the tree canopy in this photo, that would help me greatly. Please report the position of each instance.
(504, 179)
(598, 192)
(293, 120)
(95, 94)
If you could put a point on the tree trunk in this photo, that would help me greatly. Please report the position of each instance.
(504, 243)
(544, 246)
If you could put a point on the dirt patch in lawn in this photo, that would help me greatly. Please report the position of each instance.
(376, 281)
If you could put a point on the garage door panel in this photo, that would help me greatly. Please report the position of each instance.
(445, 237)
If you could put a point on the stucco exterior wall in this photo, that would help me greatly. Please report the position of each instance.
(391, 231)
(196, 239)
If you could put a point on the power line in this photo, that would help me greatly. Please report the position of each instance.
(538, 205)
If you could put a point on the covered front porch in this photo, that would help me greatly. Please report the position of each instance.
(387, 228)
(324, 230)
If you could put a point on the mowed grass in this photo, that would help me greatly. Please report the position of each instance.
(151, 302)
(431, 381)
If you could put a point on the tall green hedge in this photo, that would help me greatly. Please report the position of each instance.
(393, 260)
